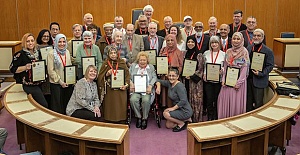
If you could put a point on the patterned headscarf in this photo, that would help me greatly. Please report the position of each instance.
(237, 51)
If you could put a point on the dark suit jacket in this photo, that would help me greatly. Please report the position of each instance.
(262, 79)
(246, 41)
(243, 27)
(205, 44)
(98, 32)
(147, 43)
(161, 33)
(228, 46)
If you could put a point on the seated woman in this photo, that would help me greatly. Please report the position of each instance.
(84, 102)
(142, 67)
(180, 114)
(21, 68)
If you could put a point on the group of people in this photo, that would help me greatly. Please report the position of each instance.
(183, 99)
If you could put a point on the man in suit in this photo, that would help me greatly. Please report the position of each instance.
(88, 19)
(237, 24)
(168, 22)
(225, 39)
(153, 41)
(258, 79)
(54, 30)
(107, 38)
(248, 33)
(133, 42)
(202, 40)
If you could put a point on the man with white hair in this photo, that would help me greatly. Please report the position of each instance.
(167, 22)
(213, 27)
(148, 12)
(188, 29)
(88, 20)
(107, 38)
(153, 41)
(258, 79)
(119, 25)
(202, 40)
(225, 40)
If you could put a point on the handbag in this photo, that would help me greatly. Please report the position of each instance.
(286, 88)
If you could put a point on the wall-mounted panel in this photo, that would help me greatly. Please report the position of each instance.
(9, 24)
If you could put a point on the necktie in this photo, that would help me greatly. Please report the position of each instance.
(224, 43)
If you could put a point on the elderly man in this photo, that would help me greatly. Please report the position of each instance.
(77, 33)
(213, 29)
(88, 20)
(225, 39)
(133, 42)
(248, 33)
(54, 30)
(148, 12)
(107, 38)
(153, 41)
(168, 22)
(119, 25)
(237, 24)
(188, 29)
(202, 40)
(143, 26)
(258, 78)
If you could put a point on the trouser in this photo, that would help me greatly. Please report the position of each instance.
(255, 96)
(212, 91)
(84, 114)
(60, 97)
(136, 106)
(36, 93)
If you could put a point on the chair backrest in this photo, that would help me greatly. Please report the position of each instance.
(179, 24)
(135, 14)
(287, 35)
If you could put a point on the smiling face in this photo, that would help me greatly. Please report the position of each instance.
(61, 43)
(77, 32)
(87, 40)
(46, 37)
(118, 37)
(30, 43)
(236, 40)
(152, 29)
(119, 22)
(257, 37)
(170, 42)
(148, 13)
(173, 77)
(173, 31)
(88, 19)
(190, 44)
(54, 30)
(214, 45)
(212, 24)
(143, 61)
(237, 18)
(92, 74)
(224, 30)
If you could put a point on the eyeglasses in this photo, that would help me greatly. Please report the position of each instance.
(142, 20)
(199, 27)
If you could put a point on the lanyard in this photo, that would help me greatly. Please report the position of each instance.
(63, 62)
(113, 71)
(141, 31)
(237, 30)
(108, 42)
(249, 40)
(152, 45)
(201, 42)
(86, 51)
(258, 48)
(212, 55)
(188, 33)
(226, 46)
(130, 44)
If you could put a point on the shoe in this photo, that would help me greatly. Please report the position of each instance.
(178, 129)
(144, 124)
(138, 123)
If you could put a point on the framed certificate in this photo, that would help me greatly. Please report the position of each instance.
(86, 61)
(75, 44)
(152, 56)
(70, 74)
(118, 80)
(213, 72)
(258, 61)
(232, 75)
(38, 71)
(44, 52)
(189, 67)
(162, 65)
(140, 83)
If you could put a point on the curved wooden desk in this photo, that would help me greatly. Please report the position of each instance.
(53, 133)
(249, 133)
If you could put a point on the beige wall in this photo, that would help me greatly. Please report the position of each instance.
(21, 16)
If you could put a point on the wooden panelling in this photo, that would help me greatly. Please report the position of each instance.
(66, 13)
(224, 12)
(199, 10)
(35, 19)
(9, 24)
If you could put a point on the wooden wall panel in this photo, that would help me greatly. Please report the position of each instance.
(66, 13)
(199, 10)
(223, 10)
(123, 8)
(9, 23)
(35, 19)
(102, 11)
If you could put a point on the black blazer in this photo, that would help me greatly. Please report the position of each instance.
(147, 43)
(246, 41)
(243, 27)
(205, 44)
(161, 33)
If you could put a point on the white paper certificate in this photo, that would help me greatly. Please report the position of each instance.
(75, 44)
(189, 67)
(70, 74)
(258, 61)
(44, 52)
(86, 61)
(213, 72)
(152, 56)
(118, 80)
(162, 65)
(38, 71)
(140, 83)
(232, 75)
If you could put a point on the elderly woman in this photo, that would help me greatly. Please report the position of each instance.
(84, 102)
(21, 68)
(57, 60)
(194, 83)
(122, 49)
(181, 112)
(174, 29)
(143, 68)
(87, 49)
(114, 99)
(212, 88)
(232, 100)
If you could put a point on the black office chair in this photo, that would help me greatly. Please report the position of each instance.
(179, 24)
(287, 35)
(135, 12)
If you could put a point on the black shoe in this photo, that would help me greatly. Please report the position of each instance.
(138, 123)
(144, 124)
(178, 129)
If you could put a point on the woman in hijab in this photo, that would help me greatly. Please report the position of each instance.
(57, 60)
(194, 83)
(175, 60)
(232, 100)
(114, 100)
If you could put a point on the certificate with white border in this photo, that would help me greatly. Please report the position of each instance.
(70, 74)
(213, 72)
(38, 71)
(189, 67)
(152, 56)
(75, 44)
(257, 62)
(86, 61)
(118, 80)
(232, 75)
(140, 83)
(44, 52)
(162, 65)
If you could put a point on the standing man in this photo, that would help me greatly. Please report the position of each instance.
(202, 40)
(54, 30)
(188, 29)
(133, 42)
(153, 41)
(248, 33)
(77, 33)
(107, 38)
(225, 39)
(148, 12)
(213, 27)
(119, 25)
(258, 80)
(143, 26)
(168, 22)
(237, 24)
(88, 20)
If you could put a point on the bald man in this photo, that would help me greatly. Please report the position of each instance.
(224, 38)
(167, 22)
(213, 27)
(88, 20)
